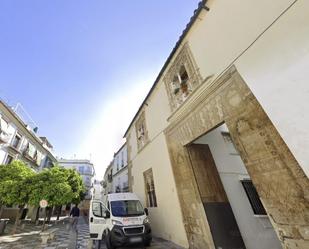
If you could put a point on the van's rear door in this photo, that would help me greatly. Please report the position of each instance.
(97, 220)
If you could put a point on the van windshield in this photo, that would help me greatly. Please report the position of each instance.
(126, 208)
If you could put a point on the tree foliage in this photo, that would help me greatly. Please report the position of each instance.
(57, 185)
(20, 185)
(15, 184)
(77, 185)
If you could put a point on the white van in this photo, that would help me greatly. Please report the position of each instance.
(121, 219)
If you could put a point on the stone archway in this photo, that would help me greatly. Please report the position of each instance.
(281, 183)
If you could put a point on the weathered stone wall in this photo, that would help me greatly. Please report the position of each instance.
(280, 181)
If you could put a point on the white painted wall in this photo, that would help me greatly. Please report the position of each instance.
(12, 129)
(87, 174)
(120, 159)
(120, 170)
(274, 67)
(257, 232)
(120, 179)
(157, 112)
(166, 218)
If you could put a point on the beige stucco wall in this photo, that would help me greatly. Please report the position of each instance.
(166, 219)
(273, 62)
(274, 67)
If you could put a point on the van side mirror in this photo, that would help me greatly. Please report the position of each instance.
(146, 211)
(107, 214)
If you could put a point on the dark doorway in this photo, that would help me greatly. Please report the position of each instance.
(223, 226)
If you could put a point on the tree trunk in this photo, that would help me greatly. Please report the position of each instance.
(1, 211)
(59, 212)
(37, 214)
(50, 212)
(17, 219)
(43, 227)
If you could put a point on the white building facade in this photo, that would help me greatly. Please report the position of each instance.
(19, 142)
(236, 78)
(85, 168)
(120, 171)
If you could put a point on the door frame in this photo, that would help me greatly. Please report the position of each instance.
(279, 180)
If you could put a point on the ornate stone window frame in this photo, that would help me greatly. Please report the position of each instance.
(175, 91)
(151, 198)
(141, 131)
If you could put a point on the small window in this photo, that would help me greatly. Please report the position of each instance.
(183, 74)
(16, 141)
(254, 199)
(81, 169)
(151, 199)
(8, 159)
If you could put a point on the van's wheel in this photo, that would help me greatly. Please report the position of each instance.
(108, 241)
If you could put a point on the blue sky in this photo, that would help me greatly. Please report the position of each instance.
(82, 68)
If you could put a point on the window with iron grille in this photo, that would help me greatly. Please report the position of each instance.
(151, 199)
(254, 199)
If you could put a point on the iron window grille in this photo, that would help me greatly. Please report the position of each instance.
(254, 199)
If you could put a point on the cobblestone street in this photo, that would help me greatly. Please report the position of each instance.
(28, 237)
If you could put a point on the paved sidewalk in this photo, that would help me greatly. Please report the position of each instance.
(28, 237)
(83, 238)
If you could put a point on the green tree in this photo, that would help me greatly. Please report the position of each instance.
(58, 186)
(15, 186)
(77, 185)
(51, 185)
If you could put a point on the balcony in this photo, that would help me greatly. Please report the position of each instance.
(29, 156)
(4, 137)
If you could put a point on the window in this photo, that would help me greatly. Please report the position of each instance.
(16, 141)
(151, 199)
(30, 150)
(98, 209)
(181, 78)
(141, 131)
(126, 208)
(8, 159)
(254, 199)
(180, 83)
(81, 169)
(122, 161)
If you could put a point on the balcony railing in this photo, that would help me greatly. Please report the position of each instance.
(26, 154)
(4, 137)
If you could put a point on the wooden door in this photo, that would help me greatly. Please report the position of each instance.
(206, 174)
(220, 216)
